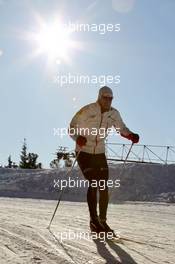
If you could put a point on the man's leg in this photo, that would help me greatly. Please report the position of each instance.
(103, 191)
(85, 163)
(92, 201)
(103, 188)
(103, 202)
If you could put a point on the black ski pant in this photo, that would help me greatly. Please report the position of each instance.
(95, 169)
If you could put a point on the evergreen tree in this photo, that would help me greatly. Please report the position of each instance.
(24, 157)
(32, 157)
(28, 160)
(9, 162)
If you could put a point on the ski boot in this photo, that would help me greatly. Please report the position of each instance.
(107, 229)
(96, 226)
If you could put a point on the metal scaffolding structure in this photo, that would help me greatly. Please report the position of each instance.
(140, 153)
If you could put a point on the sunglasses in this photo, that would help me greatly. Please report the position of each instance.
(107, 98)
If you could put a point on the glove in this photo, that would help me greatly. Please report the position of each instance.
(81, 141)
(133, 137)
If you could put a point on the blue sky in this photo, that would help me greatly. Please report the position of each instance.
(142, 53)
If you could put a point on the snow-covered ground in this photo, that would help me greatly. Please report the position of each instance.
(24, 237)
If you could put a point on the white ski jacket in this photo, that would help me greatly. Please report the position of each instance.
(95, 126)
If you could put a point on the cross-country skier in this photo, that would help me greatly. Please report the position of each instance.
(91, 159)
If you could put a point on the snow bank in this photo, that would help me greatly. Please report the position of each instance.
(138, 182)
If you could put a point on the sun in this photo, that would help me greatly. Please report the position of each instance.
(52, 39)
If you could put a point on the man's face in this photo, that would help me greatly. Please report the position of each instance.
(105, 102)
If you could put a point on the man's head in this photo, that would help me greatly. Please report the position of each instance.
(105, 97)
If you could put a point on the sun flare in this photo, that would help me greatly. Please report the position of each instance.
(54, 40)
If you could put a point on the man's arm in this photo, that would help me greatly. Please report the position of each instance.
(73, 126)
(122, 128)
(75, 122)
(118, 123)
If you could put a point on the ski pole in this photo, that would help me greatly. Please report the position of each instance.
(62, 191)
(124, 163)
(128, 153)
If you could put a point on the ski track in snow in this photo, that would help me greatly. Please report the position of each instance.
(24, 237)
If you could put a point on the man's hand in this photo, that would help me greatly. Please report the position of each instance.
(133, 137)
(81, 141)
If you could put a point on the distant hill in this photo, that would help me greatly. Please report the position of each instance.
(138, 182)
